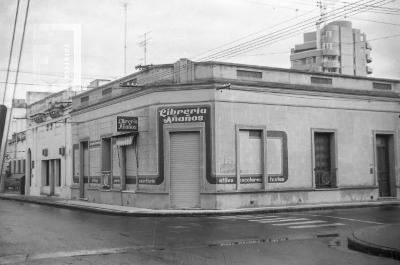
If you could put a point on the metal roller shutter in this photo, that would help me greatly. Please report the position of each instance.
(116, 161)
(185, 169)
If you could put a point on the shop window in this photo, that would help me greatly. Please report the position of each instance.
(106, 154)
(251, 158)
(324, 159)
(106, 149)
(277, 156)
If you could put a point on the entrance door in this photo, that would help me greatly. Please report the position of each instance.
(84, 168)
(323, 160)
(383, 167)
(185, 169)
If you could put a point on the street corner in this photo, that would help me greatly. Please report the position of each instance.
(382, 240)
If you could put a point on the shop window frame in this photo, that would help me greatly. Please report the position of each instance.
(104, 172)
(263, 129)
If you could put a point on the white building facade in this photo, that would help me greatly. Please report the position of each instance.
(48, 146)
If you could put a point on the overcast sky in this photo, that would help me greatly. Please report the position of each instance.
(177, 29)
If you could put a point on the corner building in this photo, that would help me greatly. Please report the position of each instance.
(215, 135)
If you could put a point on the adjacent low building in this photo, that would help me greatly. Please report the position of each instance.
(215, 135)
(48, 146)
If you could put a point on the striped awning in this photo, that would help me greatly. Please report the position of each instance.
(124, 140)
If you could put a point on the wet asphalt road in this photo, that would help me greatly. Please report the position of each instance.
(36, 234)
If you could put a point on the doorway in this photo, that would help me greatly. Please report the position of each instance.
(84, 167)
(385, 164)
(185, 162)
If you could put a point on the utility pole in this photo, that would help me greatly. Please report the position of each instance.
(321, 20)
(144, 45)
(4, 149)
(125, 30)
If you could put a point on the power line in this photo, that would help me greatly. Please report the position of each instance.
(252, 34)
(255, 43)
(376, 21)
(10, 55)
(356, 8)
(35, 84)
(59, 74)
(272, 36)
(13, 94)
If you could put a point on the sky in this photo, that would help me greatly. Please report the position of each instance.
(72, 42)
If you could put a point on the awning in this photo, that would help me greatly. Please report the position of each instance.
(17, 176)
(124, 140)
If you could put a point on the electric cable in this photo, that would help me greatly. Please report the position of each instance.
(14, 89)
(10, 55)
(354, 10)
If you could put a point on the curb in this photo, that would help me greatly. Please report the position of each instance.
(360, 245)
(193, 213)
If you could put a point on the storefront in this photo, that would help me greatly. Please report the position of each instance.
(217, 136)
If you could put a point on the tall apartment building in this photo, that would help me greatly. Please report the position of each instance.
(336, 48)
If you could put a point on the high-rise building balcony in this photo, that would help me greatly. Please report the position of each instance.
(368, 57)
(305, 54)
(368, 46)
(311, 45)
(331, 52)
(331, 64)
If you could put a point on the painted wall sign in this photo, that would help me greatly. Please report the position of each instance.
(127, 124)
(183, 114)
(276, 179)
(251, 179)
(145, 180)
(226, 180)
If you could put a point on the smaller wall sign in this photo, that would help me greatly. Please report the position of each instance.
(127, 124)
(251, 179)
(276, 179)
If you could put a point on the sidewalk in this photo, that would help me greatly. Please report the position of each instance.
(381, 240)
(133, 211)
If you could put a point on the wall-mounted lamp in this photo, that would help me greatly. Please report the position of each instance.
(224, 86)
